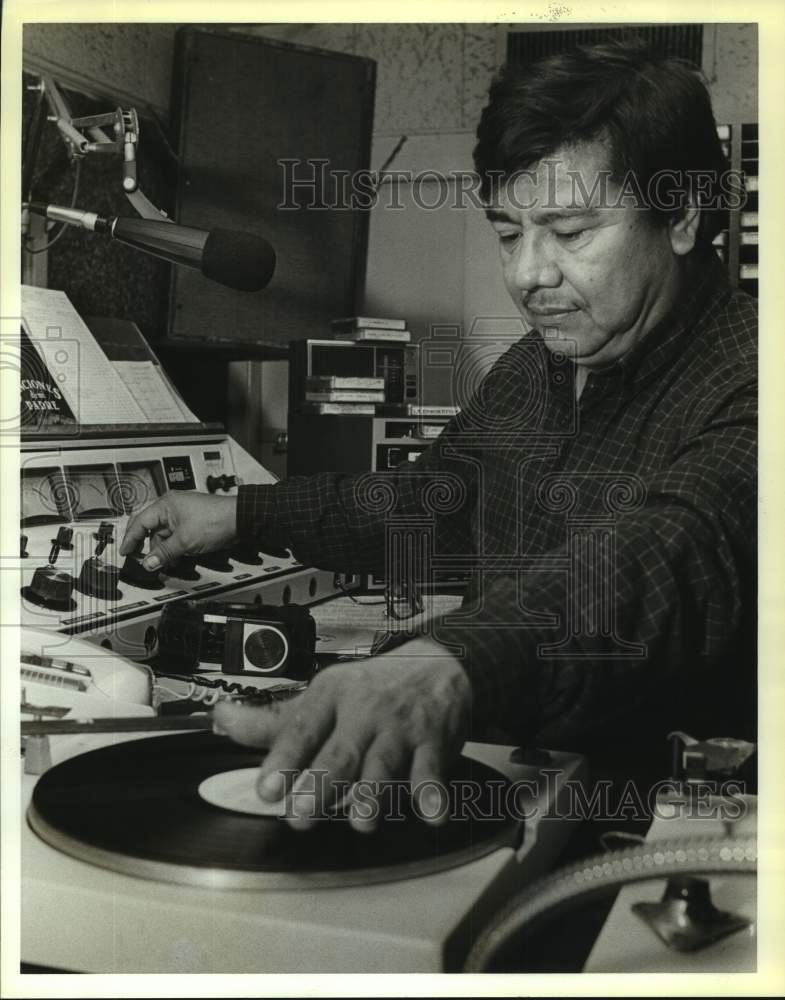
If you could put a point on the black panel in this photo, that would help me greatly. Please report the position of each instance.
(683, 40)
(244, 103)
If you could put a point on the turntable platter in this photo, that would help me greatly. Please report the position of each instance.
(136, 808)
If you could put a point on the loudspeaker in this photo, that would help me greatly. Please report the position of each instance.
(253, 117)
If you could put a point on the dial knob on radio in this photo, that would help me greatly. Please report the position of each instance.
(133, 572)
(99, 579)
(51, 588)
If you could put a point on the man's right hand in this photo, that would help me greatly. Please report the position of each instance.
(181, 524)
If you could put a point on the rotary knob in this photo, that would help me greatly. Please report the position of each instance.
(99, 579)
(183, 569)
(224, 483)
(51, 588)
(134, 573)
(246, 554)
(217, 561)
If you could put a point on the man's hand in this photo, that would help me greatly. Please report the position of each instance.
(181, 524)
(403, 714)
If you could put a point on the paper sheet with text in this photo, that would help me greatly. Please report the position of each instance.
(83, 373)
(149, 388)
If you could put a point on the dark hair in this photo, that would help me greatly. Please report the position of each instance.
(654, 112)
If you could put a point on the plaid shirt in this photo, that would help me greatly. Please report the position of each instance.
(611, 541)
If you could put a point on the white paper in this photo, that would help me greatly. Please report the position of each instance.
(81, 370)
(144, 381)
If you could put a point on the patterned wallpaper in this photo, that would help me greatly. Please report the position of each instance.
(431, 77)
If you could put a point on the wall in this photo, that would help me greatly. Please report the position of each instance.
(440, 266)
(132, 61)
(436, 266)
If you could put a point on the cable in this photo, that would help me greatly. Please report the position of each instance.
(153, 115)
(603, 874)
(64, 225)
(352, 598)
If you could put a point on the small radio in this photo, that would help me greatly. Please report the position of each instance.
(263, 640)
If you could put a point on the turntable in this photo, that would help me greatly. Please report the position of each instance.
(127, 867)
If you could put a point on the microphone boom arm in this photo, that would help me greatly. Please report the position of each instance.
(239, 260)
(125, 125)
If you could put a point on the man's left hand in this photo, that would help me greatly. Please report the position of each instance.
(403, 714)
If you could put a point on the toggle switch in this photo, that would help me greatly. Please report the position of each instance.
(64, 540)
(104, 536)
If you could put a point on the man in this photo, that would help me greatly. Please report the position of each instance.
(600, 484)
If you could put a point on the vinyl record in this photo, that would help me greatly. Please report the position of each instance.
(135, 808)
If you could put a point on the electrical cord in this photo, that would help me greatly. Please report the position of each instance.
(63, 225)
(353, 599)
(602, 874)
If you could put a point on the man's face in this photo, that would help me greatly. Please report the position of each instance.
(579, 267)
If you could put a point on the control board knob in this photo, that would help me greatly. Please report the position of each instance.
(183, 569)
(217, 561)
(133, 572)
(246, 554)
(99, 579)
(51, 588)
(224, 483)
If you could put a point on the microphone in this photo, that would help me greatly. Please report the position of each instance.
(237, 259)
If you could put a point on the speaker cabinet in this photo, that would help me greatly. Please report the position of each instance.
(245, 105)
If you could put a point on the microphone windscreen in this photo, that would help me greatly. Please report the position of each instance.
(239, 260)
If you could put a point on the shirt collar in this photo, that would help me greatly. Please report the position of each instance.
(704, 283)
